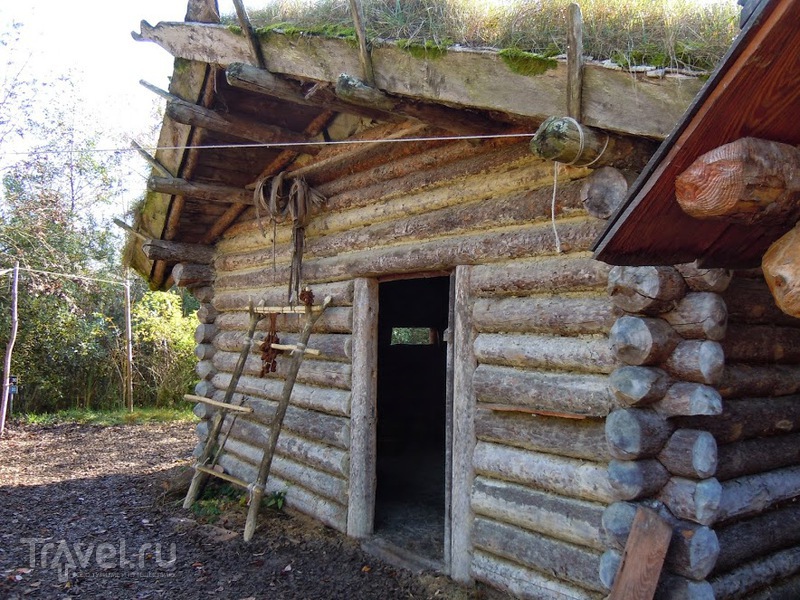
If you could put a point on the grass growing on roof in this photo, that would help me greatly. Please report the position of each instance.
(675, 33)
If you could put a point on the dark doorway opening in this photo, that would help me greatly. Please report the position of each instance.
(412, 415)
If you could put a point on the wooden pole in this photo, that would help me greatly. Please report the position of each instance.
(10, 347)
(575, 62)
(363, 47)
(277, 421)
(128, 347)
(247, 28)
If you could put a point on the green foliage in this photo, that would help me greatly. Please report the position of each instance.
(275, 500)
(526, 63)
(679, 33)
(164, 348)
(425, 51)
(109, 417)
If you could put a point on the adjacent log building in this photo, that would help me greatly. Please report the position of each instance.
(488, 399)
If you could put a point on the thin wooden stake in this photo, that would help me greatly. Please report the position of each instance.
(247, 28)
(277, 422)
(363, 47)
(9, 348)
(575, 62)
(151, 160)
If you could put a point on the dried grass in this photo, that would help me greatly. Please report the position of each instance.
(663, 33)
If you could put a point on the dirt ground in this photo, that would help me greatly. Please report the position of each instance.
(84, 514)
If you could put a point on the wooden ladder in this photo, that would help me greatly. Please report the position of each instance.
(205, 464)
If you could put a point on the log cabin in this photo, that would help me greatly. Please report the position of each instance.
(486, 397)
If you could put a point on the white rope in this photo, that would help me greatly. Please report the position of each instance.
(251, 490)
(553, 205)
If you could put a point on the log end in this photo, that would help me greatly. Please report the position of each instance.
(781, 267)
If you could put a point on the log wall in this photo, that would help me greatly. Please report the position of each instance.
(537, 376)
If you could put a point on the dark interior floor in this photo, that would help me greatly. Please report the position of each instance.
(409, 512)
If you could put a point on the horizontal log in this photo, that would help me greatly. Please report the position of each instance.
(746, 181)
(330, 401)
(643, 341)
(760, 535)
(333, 346)
(780, 266)
(205, 369)
(758, 574)
(315, 454)
(564, 476)
(671, 587)
(646, 290)
(566, 519)
(207, 313)
(205, 388)
(207, 192)
(205, 333)
(577, 438)
(762, 344)
(190, 274)
(582, 355)
(567, 562)
(324, 484)
(705, 280)
(749, 301)
(742, 380)
(583, 395)
(699, 315)
(177, 251)
(749, 418)
(639, 386)
(336, 319)
(788, 587)
(204, 351)
(319, 373)
(697, 501)
(298, 498)
(687, 399)
(636, 433)
(692, 552)
(691, 453)
(749, 457)
(632, 479)
(701, 361)
(204, 293)
(239, 127)
(610, 563)
(752, 494)
(552, 275)
(522, 582)
(565, 140)
(553, 315)
(341, 293)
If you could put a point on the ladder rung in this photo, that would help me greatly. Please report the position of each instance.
(222, 405)
(293, 348)
(221, 475)
(284, 310)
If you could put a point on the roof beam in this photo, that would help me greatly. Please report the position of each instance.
(210, 192)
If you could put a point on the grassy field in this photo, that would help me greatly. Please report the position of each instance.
(110, 417)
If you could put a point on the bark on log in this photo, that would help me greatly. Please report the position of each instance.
(746, 181)
(643, 341)
(242, 128)
(567, 562)
(326, 511)
(555, 315)
(758, 574)
(691, 453)
(692, 552)
(759, 536)
(697, 501)
(700, 361)
(752, 494)
(762, 344)
(567, 519)
(689, 399)
(565, 476)
(582, 355)
(632, 479)
(189, 274)
(750, 301)
(206, 352)
(671, 587)
(207, 192)
(780, 265)
(749, 418)
(334, 402)
(523, 582)
(207, 313)
(338, 319)
(320, 373)
(582, 395)
(552, 275)
(639, 386)
(177, 251)
(205, 333)
(699, 315)
(646, 290)
(705, 280)
(341, 293)
(566, 141)
(604, 191)
(576, 438)
(741, 380)
(749, 457)
(634, 433)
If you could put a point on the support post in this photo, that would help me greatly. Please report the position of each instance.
(10, 347)
(128, 347)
